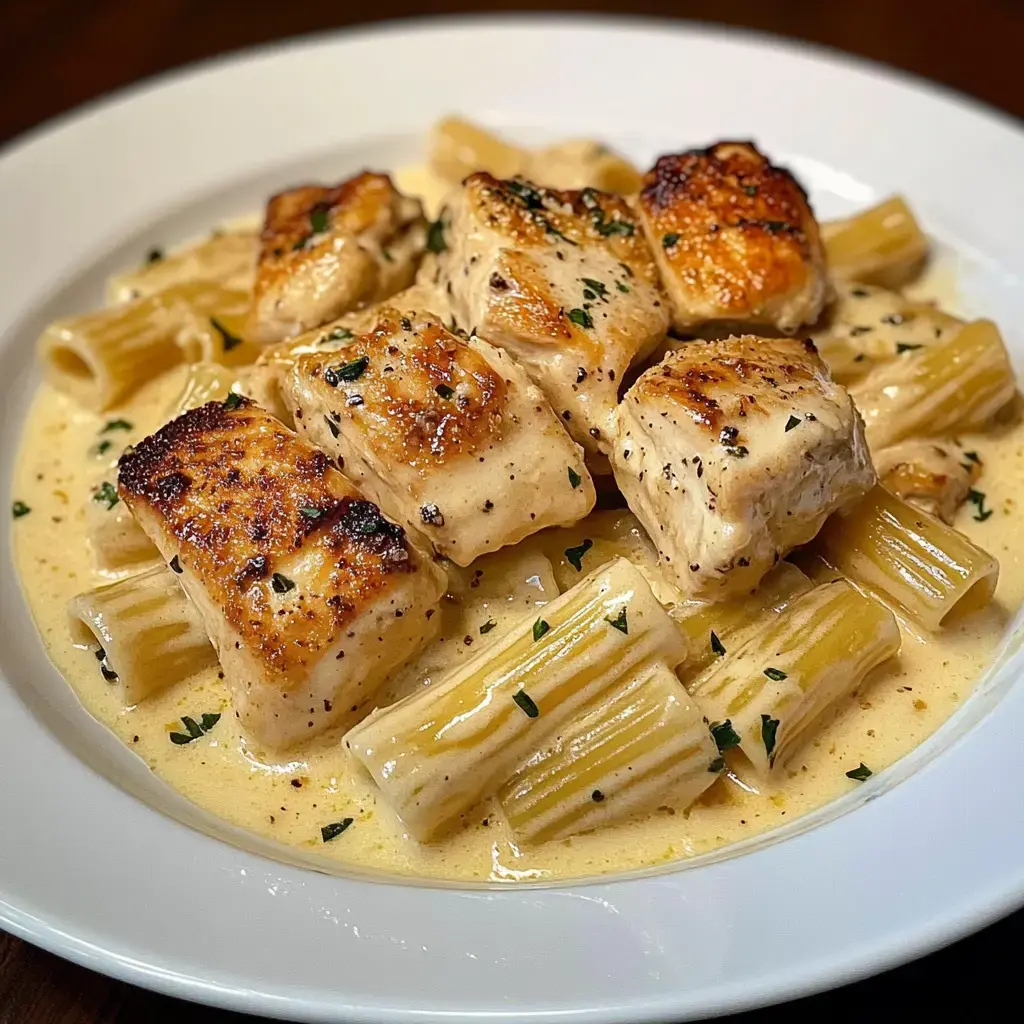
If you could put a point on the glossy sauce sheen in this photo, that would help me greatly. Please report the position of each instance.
(291, 800)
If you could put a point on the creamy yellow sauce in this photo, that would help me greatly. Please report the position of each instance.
(291, 799)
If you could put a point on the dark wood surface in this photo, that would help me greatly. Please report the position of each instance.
(55, 54)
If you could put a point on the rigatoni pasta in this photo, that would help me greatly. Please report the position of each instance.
(765, 694)
(644, 746)
(149, 634)
(909, 557)
(437, 753)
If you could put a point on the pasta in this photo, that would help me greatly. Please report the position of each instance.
(908, 557)
(149, 634)
(762, 696)
(204, 382)
(883, 245)
(99, 358)
(116, 539)
(227, 258)
(959, 384)
(645, 746)
(436, 754)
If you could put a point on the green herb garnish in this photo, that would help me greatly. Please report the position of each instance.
(154, 255)
(739, 451)
(319, 220)
(977, 499)
(175, 566)
(338, 334)
(102, 447)
(619, 622)
(575, 555)
(107, 494)
(334, 375)
(445, 391)
(281, 584)
(581, 318)
(667, 241)
(717, 766)
(19, 509)
(487, 627)
(435, 237)
(793, 421)
(332, 426)
(725, 736)
(906, 346)
(574, 478)
(230, 340)
(599, 290)
(116, 425)
(233, 401)
(309, 512)
(716, 644)
(861, 773)
(769, 729)
(624, 288)
(193, 728)
(775, 673)
(334, 829)
(527, 703)
(540, 627)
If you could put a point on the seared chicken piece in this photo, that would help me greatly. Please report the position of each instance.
(935, 475)
(562, 280)
(735, 241)
(733, 452)
(310, 595)
(448, 436)
(325, 251)
(266, 381)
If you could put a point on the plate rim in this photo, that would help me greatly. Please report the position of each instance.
(944, 927)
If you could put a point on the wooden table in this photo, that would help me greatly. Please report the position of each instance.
(55, 54)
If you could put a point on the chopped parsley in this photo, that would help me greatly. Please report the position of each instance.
(230, 340)
(311, 513)
(608, 228)
(906, 346)
(107, 494)
(332, 426)
(623, 287)
(338, 334)
(445, 391)
(19, 509)
(769, 730)
(487, 627)
(334, 829)
(540, 627)
(725, 736)
(154, 255)
(739, 451)
(717, 766)
(319, 220)
(233, 401)
(527, 703)
(973, 457)
(599, 290)
(581, 318)
(574, 556)
(116, 425)
(793, 421)
(716, 644)
(775, 673)
(861, 773)
(435, 237)
(667, 241)
(102, 447)
(977, 499)
(619, 622)
(175, 566)
(574, 478)
(334, 375)
(281, 584)
(193, 729)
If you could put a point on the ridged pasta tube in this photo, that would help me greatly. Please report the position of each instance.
(437, 753)
(227, 258)
(117, 540)
(204, 382)
(772, 688)
(956, 385)
(150, 633)
(99, 358)
(646, 745)
(882, 245)
(909, 557)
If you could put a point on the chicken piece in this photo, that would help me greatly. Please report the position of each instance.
(733, 452)
(865, 325)
(735, 241)
(325, 251)
(448, 436)
(935, 475)
(562, 280)
(308, 593)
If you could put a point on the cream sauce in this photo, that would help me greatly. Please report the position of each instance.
(291, 799)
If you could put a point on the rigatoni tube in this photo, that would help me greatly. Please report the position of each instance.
(958, 384)
(204, 382)
(437, 753)
(150, 633)
(646, 745)
(909, 557)
(774, 686)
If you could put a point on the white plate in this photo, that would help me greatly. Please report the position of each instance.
(98, 875)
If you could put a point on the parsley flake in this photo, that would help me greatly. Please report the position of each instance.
(435, 237)
(527, 703)
(338, 334)
(906, 346)
(667, 241)
(581, 318)
(107, 494)
(281, 584)
(619, 622)
(230, 340)
(233, 401)
(599, 290)
(311, 513)
(116, 425)
(175, 566)
(574, 478)
(717, 766)
(319, 220)
(716, 644)
(19, 509)
(101, 447)
(154, 255)
(334, 829)
(334, 375)
(487, 627)
(725, 736)
(574, 556)
(739, 451)
(861, 773)
(793, 421)
(775, 673)
(769, 730)
(193, 729)
(540, 627)
(977, 499)
(445, 391)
